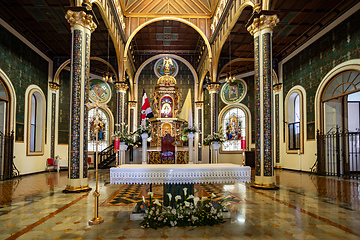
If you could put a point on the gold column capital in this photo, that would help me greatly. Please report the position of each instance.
(121, 87)
(132, 104)
(277, 87)
(54, 86)
(263, 22)
(213, 88)
(199, 104)
(82, 19)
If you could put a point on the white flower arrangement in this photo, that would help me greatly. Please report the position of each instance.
(123, 135)
(144, 128)
(193, 211)
(215, 137)
(188, 129)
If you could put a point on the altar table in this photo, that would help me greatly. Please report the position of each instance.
(179, 173)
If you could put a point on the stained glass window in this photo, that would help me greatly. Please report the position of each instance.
(103, 133)
(234, 128)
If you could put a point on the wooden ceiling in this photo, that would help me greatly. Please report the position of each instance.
(174, 7)
(299, 21)
(43, 23)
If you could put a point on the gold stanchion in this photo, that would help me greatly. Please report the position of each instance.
(96, 219)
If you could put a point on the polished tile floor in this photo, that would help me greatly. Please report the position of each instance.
(305, 207)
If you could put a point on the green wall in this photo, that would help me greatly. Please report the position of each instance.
(24, 67)
(310, 66)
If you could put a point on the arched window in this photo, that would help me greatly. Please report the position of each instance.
(36, 121)
(294, 118)
(294, 121)
(234, 126)
(103, 134)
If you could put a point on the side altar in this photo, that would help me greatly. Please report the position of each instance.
(165, 105)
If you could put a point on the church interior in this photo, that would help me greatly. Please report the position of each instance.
(265, 89)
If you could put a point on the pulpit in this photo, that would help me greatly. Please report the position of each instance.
(167, 149)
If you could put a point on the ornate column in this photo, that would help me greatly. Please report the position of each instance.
(82, 26)
(214, 105)
(198, 135)
(53, 87)
(214, 110)
(261, 29)
(121, 88)
(277, 93)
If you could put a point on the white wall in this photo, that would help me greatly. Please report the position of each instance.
(29, 164)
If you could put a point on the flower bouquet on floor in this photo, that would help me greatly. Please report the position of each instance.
(190, 211)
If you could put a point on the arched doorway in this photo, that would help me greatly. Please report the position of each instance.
(340, 124)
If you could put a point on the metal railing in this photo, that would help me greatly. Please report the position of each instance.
(339, 153)
(8, 169)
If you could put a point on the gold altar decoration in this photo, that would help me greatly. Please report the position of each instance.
(166, 107)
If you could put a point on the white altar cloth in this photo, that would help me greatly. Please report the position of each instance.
(179, 173)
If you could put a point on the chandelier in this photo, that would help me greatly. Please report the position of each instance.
(107, 77)
(229, 78)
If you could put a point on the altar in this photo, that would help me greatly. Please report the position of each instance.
(179, 174)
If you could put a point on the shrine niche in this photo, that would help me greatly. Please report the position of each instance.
(165, 106)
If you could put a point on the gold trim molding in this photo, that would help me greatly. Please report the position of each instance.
(262, 23)
(82, 19)
(53, 86)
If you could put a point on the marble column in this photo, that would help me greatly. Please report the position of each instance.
(261, 29)
(82, 26)
(144, 137)
(214, 110)
(132, 115)
(191, 147)
(121, 88)
(198, 135)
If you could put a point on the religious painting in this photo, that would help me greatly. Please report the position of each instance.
(166, 107)
(159, 67)
(100, 130)
(166, 129)
(233, 92)
(233, 123)
(99, 91)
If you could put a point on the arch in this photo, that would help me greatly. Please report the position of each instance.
(349, 65)
(233, 61)
(167, 18)
(302, 94)
(227, 33)
(193, 71)
(12, 99)
(111, 124)
(40, 119)
(64, 64)
(247, 112)
(103, 12)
